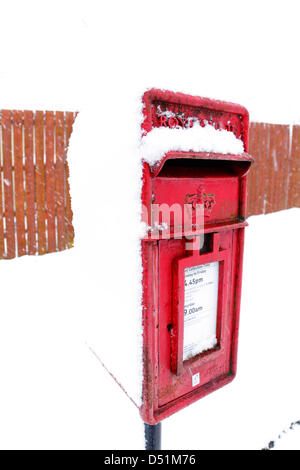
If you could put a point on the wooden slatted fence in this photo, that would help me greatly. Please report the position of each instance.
(35, 203)
(274, 179)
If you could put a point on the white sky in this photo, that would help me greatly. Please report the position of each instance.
(63, 54)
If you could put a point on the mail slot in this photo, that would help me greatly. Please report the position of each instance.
(192, 273)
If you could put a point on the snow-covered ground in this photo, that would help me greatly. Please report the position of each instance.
(55, 394)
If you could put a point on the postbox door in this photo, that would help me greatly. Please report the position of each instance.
(181, 370)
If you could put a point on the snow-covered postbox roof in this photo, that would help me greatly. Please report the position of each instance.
(179, 122)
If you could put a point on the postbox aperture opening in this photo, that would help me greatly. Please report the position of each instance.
(198, 167)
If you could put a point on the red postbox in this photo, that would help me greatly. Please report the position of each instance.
(191, 296)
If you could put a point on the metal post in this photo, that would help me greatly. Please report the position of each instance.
(153, 436)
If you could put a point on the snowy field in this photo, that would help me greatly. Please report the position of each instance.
(55, 394)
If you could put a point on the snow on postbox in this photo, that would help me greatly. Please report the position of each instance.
(194, 204)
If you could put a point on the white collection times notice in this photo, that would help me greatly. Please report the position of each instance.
(201, 285)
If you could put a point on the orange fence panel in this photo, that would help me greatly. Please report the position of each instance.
(294, 176)
(69, 213)
(40, 181)
(35, 203)
(276, 168)
(60, 181)
(29, 182)
(6, 124)
(19, 181)
(50, 181)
